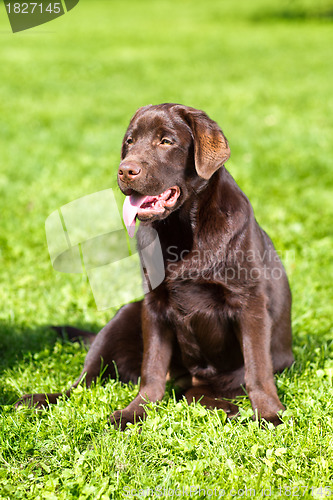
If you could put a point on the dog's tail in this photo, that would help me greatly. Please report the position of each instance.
(74, 334)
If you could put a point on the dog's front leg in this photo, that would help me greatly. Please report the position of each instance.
(157, 343)
(255, 338)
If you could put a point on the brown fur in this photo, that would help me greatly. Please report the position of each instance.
(220, 321)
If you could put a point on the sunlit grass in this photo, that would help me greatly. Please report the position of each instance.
(67, 92)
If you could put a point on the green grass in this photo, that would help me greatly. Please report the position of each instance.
(264, 71)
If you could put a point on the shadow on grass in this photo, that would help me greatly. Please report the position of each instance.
(19, 343)
(293, 15)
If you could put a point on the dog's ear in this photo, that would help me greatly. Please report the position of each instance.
(211, 149)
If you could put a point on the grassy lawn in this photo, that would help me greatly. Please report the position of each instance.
(264, 72)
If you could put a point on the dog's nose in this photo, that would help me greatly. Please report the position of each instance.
(128, 171)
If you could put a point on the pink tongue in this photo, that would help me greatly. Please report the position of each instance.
(130, 209)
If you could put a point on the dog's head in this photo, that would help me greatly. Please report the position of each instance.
(168, 151)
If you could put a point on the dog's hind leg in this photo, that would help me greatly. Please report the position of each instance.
(117, 350)
(219, 391)
(204, 395)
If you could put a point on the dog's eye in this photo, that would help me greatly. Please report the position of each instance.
(129, 140)
(166, 141)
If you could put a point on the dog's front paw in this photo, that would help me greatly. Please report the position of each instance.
(273, 418)
(121, 418)
(37, 401)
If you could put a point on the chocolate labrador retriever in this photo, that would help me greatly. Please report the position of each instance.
(220, 320)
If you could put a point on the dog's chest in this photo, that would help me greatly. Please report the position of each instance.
(195, 286)
(203, 319)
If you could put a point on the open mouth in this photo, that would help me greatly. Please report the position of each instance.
(145, 207)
